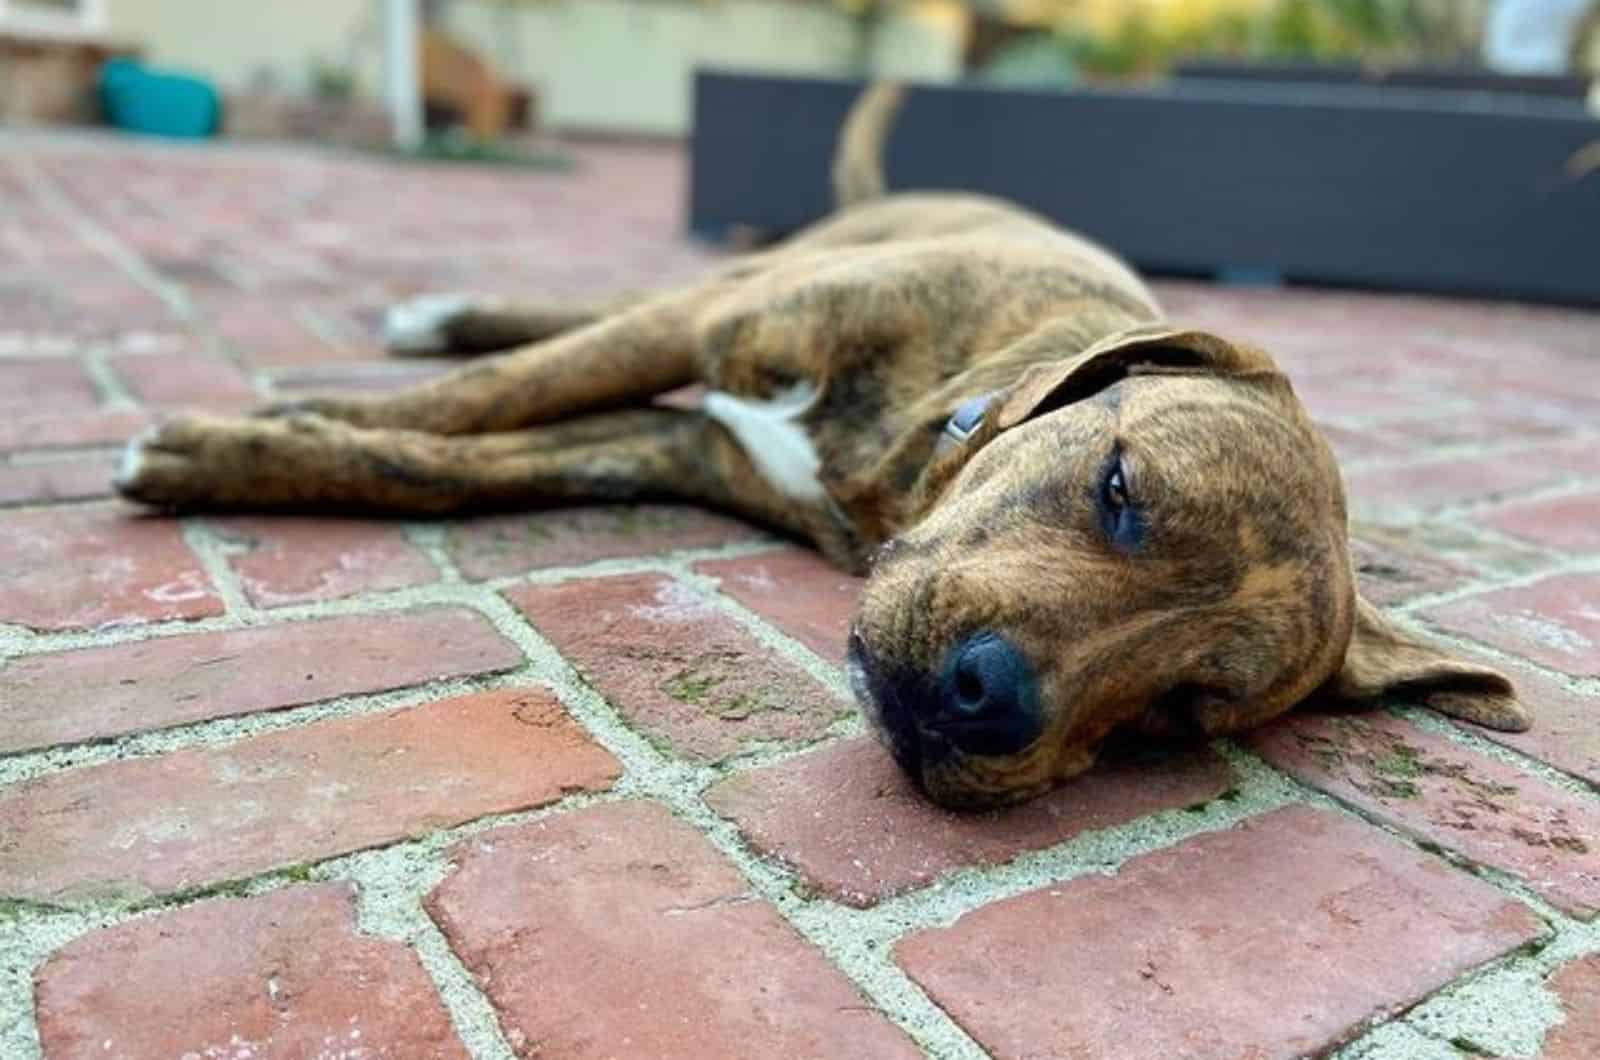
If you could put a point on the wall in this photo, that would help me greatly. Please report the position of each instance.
(237, 43)
(603, 65)
(626, 64)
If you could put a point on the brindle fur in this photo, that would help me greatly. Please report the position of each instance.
(1237, 604)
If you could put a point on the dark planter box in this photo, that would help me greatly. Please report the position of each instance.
(1448, 191)
(1460, 78)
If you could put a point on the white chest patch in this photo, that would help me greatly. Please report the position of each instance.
(771, 435)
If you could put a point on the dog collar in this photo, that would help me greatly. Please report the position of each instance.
(967, 418)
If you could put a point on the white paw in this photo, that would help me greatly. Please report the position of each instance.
(132, 464)
(420, 325)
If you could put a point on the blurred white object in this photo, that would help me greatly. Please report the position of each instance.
(64, 16)
(1531, 36)
(402, 27)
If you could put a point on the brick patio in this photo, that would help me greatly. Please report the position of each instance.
(588, 783)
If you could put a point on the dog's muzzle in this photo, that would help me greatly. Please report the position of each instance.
(982, 700)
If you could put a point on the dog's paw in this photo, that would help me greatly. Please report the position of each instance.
(203, 463)
(421, 325)
(195, 461)
(152, 466)
(130, 469)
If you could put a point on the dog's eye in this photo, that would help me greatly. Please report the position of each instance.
(1119, 516)
(1116, 490)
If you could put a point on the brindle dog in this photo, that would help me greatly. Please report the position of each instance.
(1078, 520)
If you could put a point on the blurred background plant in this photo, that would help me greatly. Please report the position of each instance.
(868, 17)
(1120, 38)
(333, 81)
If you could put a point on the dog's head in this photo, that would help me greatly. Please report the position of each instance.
(1150, 535)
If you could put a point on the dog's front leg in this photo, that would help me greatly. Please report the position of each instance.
(307, 462)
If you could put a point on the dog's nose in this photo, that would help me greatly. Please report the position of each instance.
(986, 699)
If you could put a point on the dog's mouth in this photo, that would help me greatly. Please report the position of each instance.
(963, 732)
(889, 712)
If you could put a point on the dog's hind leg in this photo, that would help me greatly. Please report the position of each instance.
(468, 325)
(472, 324)
(620, 360)
(311, 463)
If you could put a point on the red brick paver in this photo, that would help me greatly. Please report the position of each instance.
(1355, 400)
(56, 480)
(1564, 733)
(1570, 523)
(1578, 987)
(1390, 573)
(1427, 786)
(55, 384)
(296, 561)
(1480, 427)
(191, 818)
(260, 329)
(1397, 494)
(1352, 445)
(797, 591)
(71, 569)
(96, 693)
(1555, 621)
(1274, 939)
(186, 381)
(113, 427)
(284, 976)
(854, 829)
(619, 931)
(680, 670)
(512, 544)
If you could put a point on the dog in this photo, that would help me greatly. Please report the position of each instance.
(1077, 520)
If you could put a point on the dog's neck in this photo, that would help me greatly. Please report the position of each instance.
(865, 511)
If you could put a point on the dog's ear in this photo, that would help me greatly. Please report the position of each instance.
(1382, 661)
(1137, 351)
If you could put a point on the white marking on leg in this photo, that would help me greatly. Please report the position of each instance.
(132, 464)
(771, 435)
(418, 325)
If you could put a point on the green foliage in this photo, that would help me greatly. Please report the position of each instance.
(456, 146)
(1364, 30)
(330, 81)
(1034, 60)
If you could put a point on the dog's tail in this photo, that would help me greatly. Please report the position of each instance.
(858, 158)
